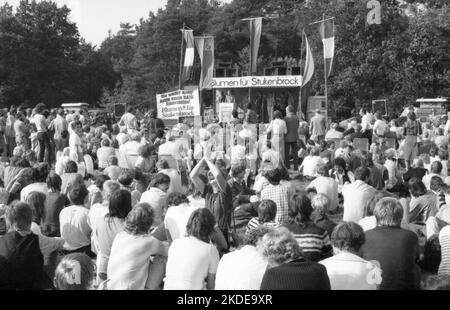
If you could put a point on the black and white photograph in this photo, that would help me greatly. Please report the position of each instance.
(224, 151)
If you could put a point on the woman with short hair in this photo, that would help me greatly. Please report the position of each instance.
(346, 269)
(267, 211)
(135, 261)
(396, 249)
(423, 202)
(104, 152)
(193, 259)
(146, 162)
(36, 201)
(313, 240)
(288, 268)
(109, 226)
(55, 201)
(71, 177)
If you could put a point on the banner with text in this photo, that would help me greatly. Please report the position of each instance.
(181, 103)
(258, 82)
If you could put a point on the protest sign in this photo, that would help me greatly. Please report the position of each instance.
(181, 103)
(225, 112)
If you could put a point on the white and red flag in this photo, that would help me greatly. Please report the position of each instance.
(188, 36)
(326, 29)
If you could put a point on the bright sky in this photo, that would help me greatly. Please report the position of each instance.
(95, 17)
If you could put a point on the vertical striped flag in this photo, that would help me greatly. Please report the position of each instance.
(326, 29)
(188, 36)
(309, 63)
(255, 39)
(205, 48)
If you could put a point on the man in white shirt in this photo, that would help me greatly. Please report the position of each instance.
(327, 186)
(75, 146)
(60, 127)
(311, 163)
(366, 121)
(356, 195)
(42, 133)
(318, 126)
(172, 147)
(243, 269)
(380, 127)
(131, 148)
(278, 129)
(346, 269)
(129, 120)
(74, 222)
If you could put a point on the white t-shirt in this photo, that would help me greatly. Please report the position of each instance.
(350, 272)
(310, 165)
(189, 263)
(197, 202)
(75, 227)
(368, 223)
(103, 155)
(157, 199)
(128, 120)
(35, 187)
(380, 127)
(241, 270)
(122, 138)
(97, 211)
(41, 122)
(327, 186)
(75, 146)
(129, 261)
(176, 219)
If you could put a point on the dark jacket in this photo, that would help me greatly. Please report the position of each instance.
(240, 193)
(23, 262)
(397, 251)
(221, 206)
(296, 275)
(292, 124)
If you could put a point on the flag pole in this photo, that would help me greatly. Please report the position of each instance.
(322, 20)
(299, 108)
(180, 76)
(325, 73)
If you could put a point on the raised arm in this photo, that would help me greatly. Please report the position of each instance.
(220, 179)
(195, 175)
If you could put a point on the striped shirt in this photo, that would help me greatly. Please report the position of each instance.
(444, 240)
(313, 240)
(279, 195)
(254, 223)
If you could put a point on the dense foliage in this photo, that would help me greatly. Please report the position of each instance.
(43, 58)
